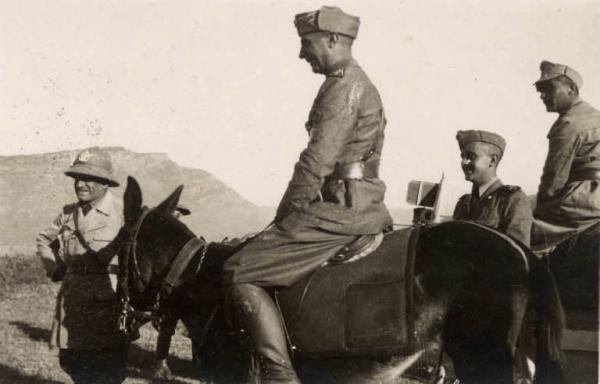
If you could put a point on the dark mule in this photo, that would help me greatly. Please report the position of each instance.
(465, 290)
(574, 264)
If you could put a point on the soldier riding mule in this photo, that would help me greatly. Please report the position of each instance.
(449, 285)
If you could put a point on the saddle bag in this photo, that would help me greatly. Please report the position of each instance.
(360, 308)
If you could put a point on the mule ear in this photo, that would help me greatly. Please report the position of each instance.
(170, 203)
(132, 199)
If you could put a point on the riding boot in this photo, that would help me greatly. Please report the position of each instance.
(271, 363)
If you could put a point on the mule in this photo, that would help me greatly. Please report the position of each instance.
(465, 292)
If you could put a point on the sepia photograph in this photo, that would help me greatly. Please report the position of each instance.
(298, 191)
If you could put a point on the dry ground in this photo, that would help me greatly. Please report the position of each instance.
(26, 307)
(27, 300)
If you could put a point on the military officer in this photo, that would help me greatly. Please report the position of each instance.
(568, 198)
(334, 194)
(91, 349)
(491, 203)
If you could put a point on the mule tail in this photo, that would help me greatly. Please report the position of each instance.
(549, 323)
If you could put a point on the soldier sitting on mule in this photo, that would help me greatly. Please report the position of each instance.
(568, 198)
(334, 196)
(491, 203)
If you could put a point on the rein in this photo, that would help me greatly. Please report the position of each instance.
(172, 279)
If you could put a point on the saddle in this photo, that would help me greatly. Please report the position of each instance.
(356, 250)
(362, 308)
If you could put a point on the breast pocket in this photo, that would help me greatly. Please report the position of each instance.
(103, 236)
(68, 241)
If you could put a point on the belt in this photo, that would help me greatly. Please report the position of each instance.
(585, 174)
(82, 269)
(356, 171)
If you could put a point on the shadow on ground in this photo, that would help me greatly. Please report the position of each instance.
(13, 376)
(33, 332)
(141, 362)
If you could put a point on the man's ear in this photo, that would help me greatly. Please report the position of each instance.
(495, 159)
(332, 40)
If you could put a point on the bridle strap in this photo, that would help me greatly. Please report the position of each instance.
(133, 246)
(182, 260)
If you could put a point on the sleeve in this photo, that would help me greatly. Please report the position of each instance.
(46, 245)
(518, 218)
(562, 148)
(332, 121)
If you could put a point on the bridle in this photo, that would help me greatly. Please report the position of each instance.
(128, 318)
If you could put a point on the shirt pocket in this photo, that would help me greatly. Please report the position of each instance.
(102, 236)
(68, 240)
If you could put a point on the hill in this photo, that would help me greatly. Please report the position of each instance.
(33, 188)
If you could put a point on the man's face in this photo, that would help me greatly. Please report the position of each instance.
(477, 165)
(556, 95)
(89, 189)
(315, 50)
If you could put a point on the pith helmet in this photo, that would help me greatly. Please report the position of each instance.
(93, 162)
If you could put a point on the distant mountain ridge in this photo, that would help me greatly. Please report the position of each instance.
(33, 188)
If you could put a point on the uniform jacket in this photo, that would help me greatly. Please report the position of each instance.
(346, 125)
(86, 303)
(574, 145)
(502, 207)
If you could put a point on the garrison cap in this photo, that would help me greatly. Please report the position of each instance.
(327, 19)
(552, 70)
(466, 137)
(94, 162)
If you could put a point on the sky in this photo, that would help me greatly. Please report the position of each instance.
(218, 85)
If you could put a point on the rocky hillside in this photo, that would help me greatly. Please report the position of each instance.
(33, 189)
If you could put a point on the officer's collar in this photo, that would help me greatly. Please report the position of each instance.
(488, 187)
(103, 205)
(339, 68)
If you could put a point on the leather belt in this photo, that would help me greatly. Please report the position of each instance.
(585, 174)
(82, 269)
(356, 171)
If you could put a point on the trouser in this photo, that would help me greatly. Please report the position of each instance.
(91, 366)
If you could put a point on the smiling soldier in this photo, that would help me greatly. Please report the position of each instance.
(568, 198)
(491, 203)
(334, 196)
(91, 348)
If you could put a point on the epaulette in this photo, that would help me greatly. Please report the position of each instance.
(337, 73)
(510, 188)
(464, 198)
(70, 208)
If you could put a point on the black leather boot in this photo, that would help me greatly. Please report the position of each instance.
(271, 363)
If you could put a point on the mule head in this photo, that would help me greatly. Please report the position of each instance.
(154, 236)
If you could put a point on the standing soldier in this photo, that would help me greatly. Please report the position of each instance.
(334, 196)
(91, 348)
(568, 198)
(491, 203)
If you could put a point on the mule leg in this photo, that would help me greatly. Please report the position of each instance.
(519, 301)
(481, 360)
